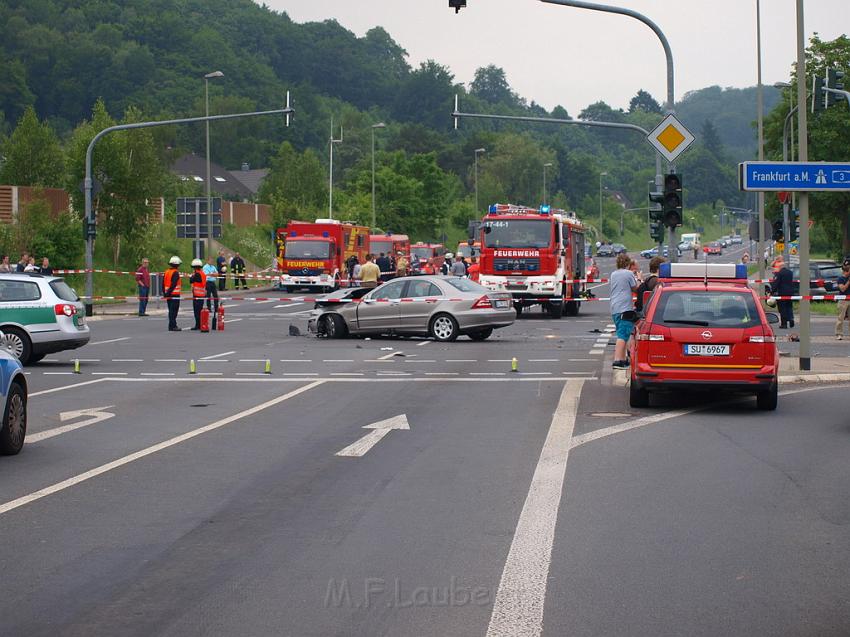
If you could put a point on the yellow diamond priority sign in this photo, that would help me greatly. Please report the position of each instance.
(670, 138)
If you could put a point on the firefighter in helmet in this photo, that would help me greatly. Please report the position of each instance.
(171, 291)
(198, 280)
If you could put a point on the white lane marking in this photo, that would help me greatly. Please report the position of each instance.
(422, 344)
(213, 360)
(264, 302)
(232, 320)
(498, 360)
(109, 373)
(393, 374)
(64, 387)
(518, 607)
(157, 373)
(210, 373)
(347, 374)
(49, 360)
(598, 352)
(544, 360)
(377, 360)
(301, 374)
(287, 305)
(58, 373)
(461, 360)
(85, 360)
(169, 360)
(209, 358)
(387, 357)
(420, 360)
(295, 360)
(253, 360)
(250, 374)
(538, 373)
(112, 340)
(128, 360)
(581, 360)
(338, 360)
(96, 414)
(379, 430)
(487, 374)
(60, 486)
(442, 374)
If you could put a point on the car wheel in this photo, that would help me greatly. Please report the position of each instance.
(481, 335)
(14, 427)
(555, 310)
(768, 400)
(444, 328)
(288, 289)
(34, 358)
(335, 326)
(518, 309)
(638, 397)
(572, 308)
(17, 343)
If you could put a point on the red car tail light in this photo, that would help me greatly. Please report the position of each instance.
(483, 303)
(762, 339)
(64, 309)
(654, 333)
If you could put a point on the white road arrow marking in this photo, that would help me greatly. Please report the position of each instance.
(96, 414)
(380, 429)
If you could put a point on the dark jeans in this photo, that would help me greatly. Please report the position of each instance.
(212, 296)
(173, 308)
(197, 306)
(222, 282)
(144, 291)
(786, 312)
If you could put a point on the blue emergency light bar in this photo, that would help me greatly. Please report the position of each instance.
(712, 271)
(544, 210)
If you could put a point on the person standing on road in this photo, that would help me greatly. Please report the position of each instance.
(198, 281)
(401, 265)
(370, 272)
(783, 285)
(446, 265)
(221, 265)
(237, 267)
(143, 282)
(171, 291)
(458, 267)
(843, 283)
(211, 273)
(649, 283)
(623, 284)
(473, 270)
(384, 266)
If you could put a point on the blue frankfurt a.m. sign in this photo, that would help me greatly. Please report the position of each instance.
(793, 176)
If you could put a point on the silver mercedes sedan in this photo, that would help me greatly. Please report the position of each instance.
(437, 306)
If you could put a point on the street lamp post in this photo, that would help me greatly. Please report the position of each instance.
(478, 151)
(207, 78)
(374, 126)
(601, 175)
(545, 193)
(331, 143)
(786, 204)
(760, 119)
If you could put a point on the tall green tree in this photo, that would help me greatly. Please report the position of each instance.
(33, 155)
(296, 185)
(643, 101)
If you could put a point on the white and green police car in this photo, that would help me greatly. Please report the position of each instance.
(39, 315)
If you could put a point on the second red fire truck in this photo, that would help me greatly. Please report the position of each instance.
(535, 254)
(314, 255)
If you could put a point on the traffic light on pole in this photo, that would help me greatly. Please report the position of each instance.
(817, 94)
(778, 231)
(457, 5)
(672, 202)
(833, 81)
(656, 216)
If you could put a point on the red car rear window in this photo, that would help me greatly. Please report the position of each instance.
(706, 309)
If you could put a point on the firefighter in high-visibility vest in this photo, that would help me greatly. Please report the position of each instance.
(198, 280)
(171, 291)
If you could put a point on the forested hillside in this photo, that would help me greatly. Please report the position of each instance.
(145, 59)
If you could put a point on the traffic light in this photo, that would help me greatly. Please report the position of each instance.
(89, 229)
(794, 230)
(656, 215)
(672, 202)
(778, 231)
(817, 94)
(833, 81)
(457, 5)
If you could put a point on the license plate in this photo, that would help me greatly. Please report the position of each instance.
(706, 349)
(502, 303)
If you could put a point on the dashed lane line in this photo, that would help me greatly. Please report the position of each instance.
(112, 340)
(128, 360)
(422, 344)
(157, 374)
(208, 358)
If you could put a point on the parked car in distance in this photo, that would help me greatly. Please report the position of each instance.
(737, 239)
(13, 402)
(619, 248)
(437, 306)
(653, 252)
(605, 250)
(39, 315)
(823, 276)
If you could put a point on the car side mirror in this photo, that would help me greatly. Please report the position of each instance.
(772, 317)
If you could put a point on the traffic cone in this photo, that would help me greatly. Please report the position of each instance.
(192, 367)
(268, 368)
(514, 364)
(77, 366)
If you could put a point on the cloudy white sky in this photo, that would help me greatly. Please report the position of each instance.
(573, 57)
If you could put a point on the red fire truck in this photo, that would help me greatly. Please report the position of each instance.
(313, 255)
(427, 258)
(533, 253)
(390, 244)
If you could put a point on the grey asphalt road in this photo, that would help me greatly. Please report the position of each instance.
(533, 502)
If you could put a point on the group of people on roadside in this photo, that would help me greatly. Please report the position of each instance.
(381, 268)
(628, 286)
(27, 263)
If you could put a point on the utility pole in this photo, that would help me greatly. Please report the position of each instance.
(374, 126)
(207, 78)
(477, 152)
(760, 107)
(545, 192)
(803, 150)
(331, 143)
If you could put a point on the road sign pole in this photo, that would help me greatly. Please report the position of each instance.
(802, 129)
(787, 229)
